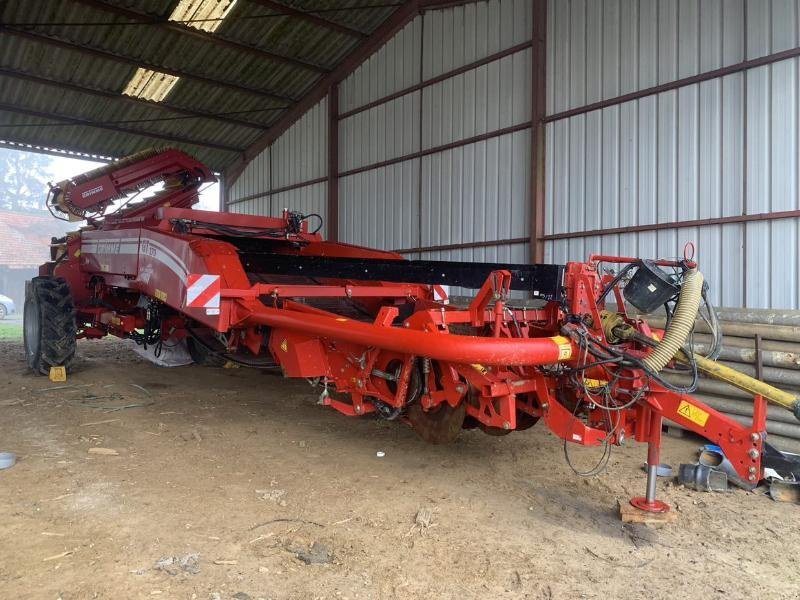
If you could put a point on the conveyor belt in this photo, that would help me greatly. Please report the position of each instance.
(542, 281)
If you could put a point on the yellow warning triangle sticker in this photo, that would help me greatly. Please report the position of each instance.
(693, 413)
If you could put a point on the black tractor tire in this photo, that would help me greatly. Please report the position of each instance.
(49, 330)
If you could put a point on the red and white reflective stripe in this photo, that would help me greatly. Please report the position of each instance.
(202, 291)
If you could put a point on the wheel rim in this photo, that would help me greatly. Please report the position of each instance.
(30, 330)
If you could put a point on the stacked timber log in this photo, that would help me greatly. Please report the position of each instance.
(780, 359)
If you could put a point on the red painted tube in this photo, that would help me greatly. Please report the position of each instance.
(446, 347)
(625, 259)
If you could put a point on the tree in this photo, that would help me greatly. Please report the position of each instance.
(23, 180)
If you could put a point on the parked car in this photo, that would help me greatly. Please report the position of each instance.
(6, 306)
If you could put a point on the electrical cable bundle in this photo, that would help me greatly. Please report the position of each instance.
(598, 396)
(596, 353)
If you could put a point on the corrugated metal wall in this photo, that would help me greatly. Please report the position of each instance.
(716, 149)
(440, 196)
(301, 154)
(719, 148)
(407, 179)
(254, 183)
(287, 173)
(772, 104)
(380, 207)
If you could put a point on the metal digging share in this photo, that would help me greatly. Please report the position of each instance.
(373, 329)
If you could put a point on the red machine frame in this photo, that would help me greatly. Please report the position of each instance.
(503, 365)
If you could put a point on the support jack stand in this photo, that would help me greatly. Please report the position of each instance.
(647, 509)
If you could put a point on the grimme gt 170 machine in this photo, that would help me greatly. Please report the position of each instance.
(373, 330)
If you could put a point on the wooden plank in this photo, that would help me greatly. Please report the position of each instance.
(631, 514)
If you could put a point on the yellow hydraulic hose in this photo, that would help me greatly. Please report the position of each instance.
(682, 322)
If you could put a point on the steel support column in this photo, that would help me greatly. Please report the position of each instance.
(333, 163)
(222, 200)
(538, 113)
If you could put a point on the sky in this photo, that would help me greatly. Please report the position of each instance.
(62, 167)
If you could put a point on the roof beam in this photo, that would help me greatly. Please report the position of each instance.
(131, 99)
(440, 4)
(63, 152)
(41, 38)
(394, 23)
(212, 38)
(111, 127)
(310, 17)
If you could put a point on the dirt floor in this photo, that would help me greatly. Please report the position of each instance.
(225, 479)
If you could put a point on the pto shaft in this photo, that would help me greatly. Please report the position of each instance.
(744, 382)
(720, 372)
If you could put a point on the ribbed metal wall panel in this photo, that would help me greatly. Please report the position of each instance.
(392, 68)
(488, 98)
(380, 207)
(301, 153)
(672, 157)
(678, 155)
(773, 166)
(387, 131)
(254, 206)
(255, 179)
(476, 192)
(598, 49)
(235, 191)
(461, 35)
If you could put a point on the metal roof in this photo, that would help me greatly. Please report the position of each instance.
(64, 64)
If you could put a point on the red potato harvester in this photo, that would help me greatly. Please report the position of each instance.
(373, 330)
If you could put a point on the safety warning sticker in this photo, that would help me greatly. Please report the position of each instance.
(692, 413)
(202, 291)
(564, 347)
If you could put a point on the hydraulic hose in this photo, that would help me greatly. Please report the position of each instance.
(682, 322)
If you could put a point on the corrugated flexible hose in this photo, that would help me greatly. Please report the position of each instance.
(682, 322)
